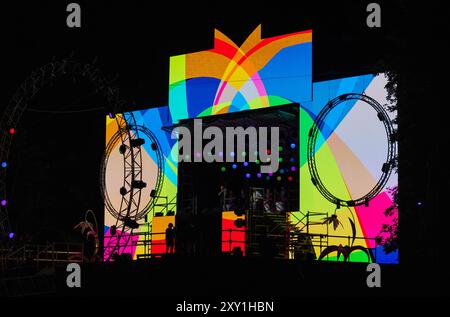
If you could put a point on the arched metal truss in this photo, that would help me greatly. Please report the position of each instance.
(40, 78)
(132, 172)
(386, 168)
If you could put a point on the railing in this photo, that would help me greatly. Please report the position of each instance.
(324, 242)
(167, 207)
(291, 242)
(50, 253)
(147, 243)
(320, 241)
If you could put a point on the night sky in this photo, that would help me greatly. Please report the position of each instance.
(54, 164)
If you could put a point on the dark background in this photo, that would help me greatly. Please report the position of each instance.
(54, 163)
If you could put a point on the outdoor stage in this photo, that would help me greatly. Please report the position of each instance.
(303, 207)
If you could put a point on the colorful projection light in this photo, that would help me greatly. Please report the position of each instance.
(318, 127)
(156, 118)
(228, 78)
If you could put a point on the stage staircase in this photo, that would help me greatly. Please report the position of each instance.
(288, 233)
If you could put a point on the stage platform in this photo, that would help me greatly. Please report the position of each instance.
(228, 276)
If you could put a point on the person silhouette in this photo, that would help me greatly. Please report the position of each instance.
(170, 238)
(223, 197)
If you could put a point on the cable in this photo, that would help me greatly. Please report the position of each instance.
(93, 216)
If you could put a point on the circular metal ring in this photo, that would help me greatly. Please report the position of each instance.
(387, 167)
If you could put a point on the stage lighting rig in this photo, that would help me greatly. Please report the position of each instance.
(239, 223)
(137, 142)
(138, 184)
(315, 131)
(123, 191)
(123, 149)
(130, 223)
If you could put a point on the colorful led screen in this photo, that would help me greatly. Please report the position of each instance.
(228, 78)
(350, 154)
(154, 119)
(233, 233)
(275, 71)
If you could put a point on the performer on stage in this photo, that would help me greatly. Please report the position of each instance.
(170, 238)
(222, 197)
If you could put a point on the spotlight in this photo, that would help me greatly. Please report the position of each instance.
(220, 153)
(11, 235)
(138, 184)
(270, 174)
(258, 175)
(198, 155)
(113, 230)
(237, 251)
(4, 202)
(278, 178)
(292, 160)
(292, 145)
(257, 161)
(123, 191)
(280, 159)
(12, 131)
(232, 154)
(268, 152)
(137, 142)
(245, 163)
(243, 154)
(223, 169)
(247, 175)
(234, 166)
(123, 149)
(239, 223)
(4, 164)
(280, 148)
(281, 171)
(154, 146)
(267, 178)
(130, 223)
(290, 178)
(293, 168)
